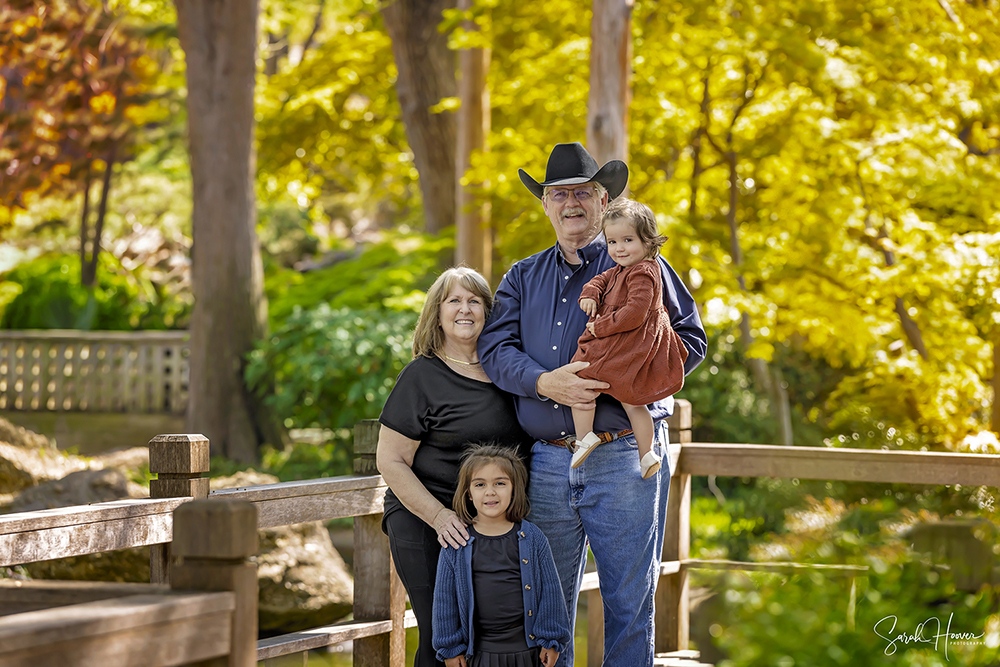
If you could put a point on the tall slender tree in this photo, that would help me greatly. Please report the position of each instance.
(219, 38)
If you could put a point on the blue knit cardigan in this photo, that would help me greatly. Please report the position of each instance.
(546, 623)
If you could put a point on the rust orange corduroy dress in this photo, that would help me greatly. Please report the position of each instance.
(635, 349)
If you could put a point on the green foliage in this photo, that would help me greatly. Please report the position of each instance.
(49, 296)
(330, 367)
(389, 274)
(302, 460)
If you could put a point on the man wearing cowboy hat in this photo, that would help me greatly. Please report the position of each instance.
(526, 349)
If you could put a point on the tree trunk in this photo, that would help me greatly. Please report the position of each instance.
(219, 38)
(85, 218)
(610, 80)
(88, 266)
(473, 235)
(426, 75)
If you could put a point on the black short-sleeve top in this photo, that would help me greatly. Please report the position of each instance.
(446, 413)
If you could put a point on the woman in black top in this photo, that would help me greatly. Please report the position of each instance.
(442, 404)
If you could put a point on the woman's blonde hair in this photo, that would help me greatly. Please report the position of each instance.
(510, 463)
(642, 219)
(428, 338)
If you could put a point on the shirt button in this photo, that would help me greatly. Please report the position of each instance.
(565, 277)
(522, 533)
(531, 636)
(562, 432)
(554, 347)
(524, 560)
(555, 407)
(559, 324)
(564, 300)
(529, 612)
(527, 587)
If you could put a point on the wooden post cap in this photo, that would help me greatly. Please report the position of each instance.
(366, 436)
(215, 528)
(179, 453)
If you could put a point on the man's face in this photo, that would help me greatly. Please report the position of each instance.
(575, 212)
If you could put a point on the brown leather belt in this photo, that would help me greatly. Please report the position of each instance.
(569, 442)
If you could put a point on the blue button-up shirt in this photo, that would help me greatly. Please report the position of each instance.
(536, 323)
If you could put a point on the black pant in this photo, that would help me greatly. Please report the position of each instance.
(415, 551)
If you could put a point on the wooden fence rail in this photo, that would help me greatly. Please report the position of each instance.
(207, 616)
(94, 371)
(379, 607)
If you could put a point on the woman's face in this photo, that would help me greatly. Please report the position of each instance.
(462, 315)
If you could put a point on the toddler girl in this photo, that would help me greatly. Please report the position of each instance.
(498, 599)
(629, 341)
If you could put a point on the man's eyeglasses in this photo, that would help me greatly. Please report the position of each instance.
(581, 194)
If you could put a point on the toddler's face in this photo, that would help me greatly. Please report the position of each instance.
(624, 245)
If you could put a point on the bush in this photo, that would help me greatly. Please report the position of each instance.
(330, 368)
(46, 293)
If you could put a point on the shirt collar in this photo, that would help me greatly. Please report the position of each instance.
(588, 253)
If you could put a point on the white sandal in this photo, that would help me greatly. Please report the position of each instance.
(584, 448)
(650, 464)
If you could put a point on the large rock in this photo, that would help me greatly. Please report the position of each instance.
(77, 488)
(22, 467)
(18, 436)
(82, 488)
(303, 580)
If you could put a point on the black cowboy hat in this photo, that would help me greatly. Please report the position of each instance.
(571, 164)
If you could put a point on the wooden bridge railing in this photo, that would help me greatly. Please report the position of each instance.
(94, 371)
(207, 616)
(379, 619)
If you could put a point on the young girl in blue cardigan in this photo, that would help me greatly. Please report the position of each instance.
(497, 600)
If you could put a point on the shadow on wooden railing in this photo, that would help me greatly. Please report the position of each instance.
(378, 627)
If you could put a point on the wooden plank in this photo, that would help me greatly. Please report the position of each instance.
(169, 336)
(31, 547)
(827, 569)
(672, 622)
(87, 514)
(848, 465)
(329, 635)
(17, 597)
(158, 378)
(143, 385)
(306, 487)
(300, 509)
(37, 628)
(33, 376)
(375, 596)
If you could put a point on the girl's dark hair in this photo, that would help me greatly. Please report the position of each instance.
(510, 463)
(642, 218)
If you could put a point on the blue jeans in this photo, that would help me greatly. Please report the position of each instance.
(607, 502)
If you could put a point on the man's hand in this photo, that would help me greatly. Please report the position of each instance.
(589, 306)
(457, 661)
(549, 657)
(564, 387)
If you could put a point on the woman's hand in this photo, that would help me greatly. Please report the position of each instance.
(450, 529)
(589, 306)
(457, 661)
(549, 657)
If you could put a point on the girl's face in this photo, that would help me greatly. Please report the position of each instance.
(491, 492)
(624, 245)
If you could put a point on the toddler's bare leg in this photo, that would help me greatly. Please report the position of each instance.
(583, 422)
(642, 426)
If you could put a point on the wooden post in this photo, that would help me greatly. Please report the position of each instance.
(671, 615)
(178, 461)
(595, 628)
(365, 442)
(610, 80)
(213, 540)
(378, 592)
